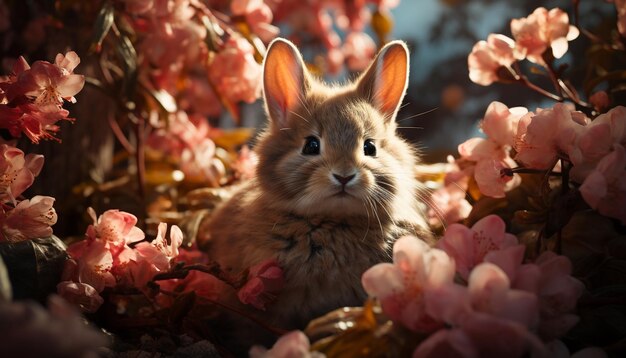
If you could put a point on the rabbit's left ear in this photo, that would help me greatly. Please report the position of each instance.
(385, 81)
(284, 81)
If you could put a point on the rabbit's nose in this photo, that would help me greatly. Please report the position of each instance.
(344, 180)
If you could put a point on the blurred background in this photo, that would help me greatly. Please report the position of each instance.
(139, 83)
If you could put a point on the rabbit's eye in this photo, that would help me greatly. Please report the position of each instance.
(369, 148)
(311, 146)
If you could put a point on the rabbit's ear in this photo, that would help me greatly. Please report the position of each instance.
(284, 81)
(384, 83)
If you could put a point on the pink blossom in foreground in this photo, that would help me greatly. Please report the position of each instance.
(235, 72)
(490, 57)
(544, 137)
(30, 219)
(492, 154)
(153, 257)
(558, 294)
(265, 280)
(487, 307)
(294, 344)
(359, 50)
(114, 226)
(17, 172)
(541, 30)
(604, 189)
(596, 141)
(468, 247)
(400, 286)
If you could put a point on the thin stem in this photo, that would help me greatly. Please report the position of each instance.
(140, 154)
(119, 134)
(541, 90)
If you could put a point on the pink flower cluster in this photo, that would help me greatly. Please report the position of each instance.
(174, 47)
(524, 304)
(490, 61)
(485, 159)
(22, 219)
(105, 259)
(31, 98)
(319, 19)
(186, 140)
(595, 148)
(539, 140)
(265, 280)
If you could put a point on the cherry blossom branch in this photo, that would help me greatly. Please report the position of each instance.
(213, 269)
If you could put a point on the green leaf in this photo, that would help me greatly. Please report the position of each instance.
(34, 266)
(102, 26)
(126, 50)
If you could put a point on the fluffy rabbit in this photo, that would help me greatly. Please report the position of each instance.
(335, 185)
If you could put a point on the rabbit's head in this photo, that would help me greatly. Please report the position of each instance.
(334, 150)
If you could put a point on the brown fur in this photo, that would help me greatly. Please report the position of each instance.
(290, 212)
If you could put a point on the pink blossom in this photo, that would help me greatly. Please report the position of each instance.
(468, 247)
(17, 171)
(114, 226)
(235, 72)
(265, 280)
(401, 286)
(153, 257)
(448, 205)
(49, 84)
(541, 30)
(80, 294)
(94, 266)
(30, 219)
(492, 154)
(359, 50)
(544, 137)
(202, 284)
(500, 123)
(33, 96)
(489, 58)
(596, 141)
(604, 189)
(487, 307)
(490, 159)
(294, 344)
(258, 15)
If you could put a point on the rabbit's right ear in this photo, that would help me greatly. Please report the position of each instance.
(284, 81)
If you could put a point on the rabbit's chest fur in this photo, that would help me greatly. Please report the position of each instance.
(322, 258)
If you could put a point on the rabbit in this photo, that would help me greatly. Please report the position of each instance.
(334, 188)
